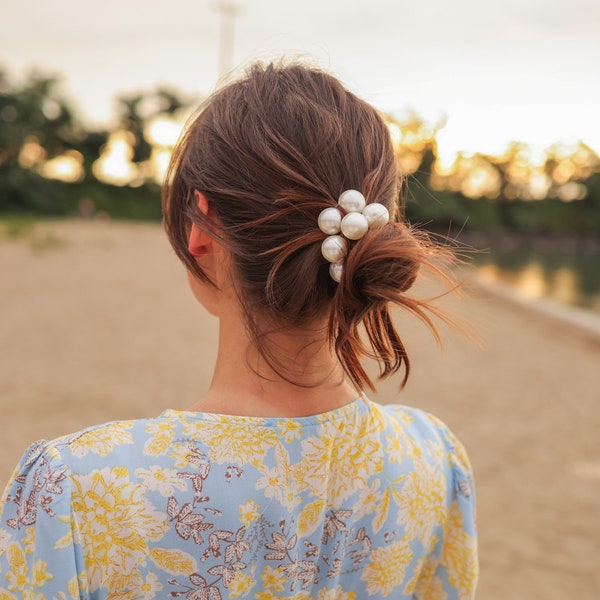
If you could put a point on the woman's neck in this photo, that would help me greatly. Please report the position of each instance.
(304, 377)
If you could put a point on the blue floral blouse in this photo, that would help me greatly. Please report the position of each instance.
(365, 501)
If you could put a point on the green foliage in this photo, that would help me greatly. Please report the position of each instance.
(36, 113)
(24, 191)
(137, 109)
(446, 212)
(35, 110)
(140, 203)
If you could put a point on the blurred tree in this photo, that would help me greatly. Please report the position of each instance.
(36, 124)
(556, 191)
(131, 119)
(35, 110)
(136, 109)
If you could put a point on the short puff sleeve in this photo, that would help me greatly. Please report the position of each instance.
(40, 553)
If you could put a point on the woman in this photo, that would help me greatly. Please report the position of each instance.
(284, 480)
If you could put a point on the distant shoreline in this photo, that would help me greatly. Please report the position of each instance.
(536, 242)
(583, 319)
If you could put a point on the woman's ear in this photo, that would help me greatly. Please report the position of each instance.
(199, 242)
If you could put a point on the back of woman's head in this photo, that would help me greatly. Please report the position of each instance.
(270, 152)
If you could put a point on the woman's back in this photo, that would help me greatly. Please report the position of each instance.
(362, 501)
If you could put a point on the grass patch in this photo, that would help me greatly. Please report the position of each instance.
(18, 228)
(27, 229)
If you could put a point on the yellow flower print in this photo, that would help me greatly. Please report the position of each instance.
(459, 554)
(395, 447)
(369, 499)
(17, 577)
(290, 499)
(273, 578)
(234, 442)
(270, 482)
(422, 501)
(150, 587)
(39, 574)
(402, 414)
(73, 587)
(116, 520)
(160, 427)
(127, 582)
(240, 585)
(31, 594)
(4, 540)
(174, 561)
(354, 463)
(249, 513)
(182, 455)
(290, 430)
(414, 450)
(266, 595)
(162, 480)
(311, 517)
(102, 440)
(67, 539)
(278, 483)
(160, 442)
(336, 593)
(29, 540)
(425, 585)
(72, 590)
(387, 568)
(436, 451)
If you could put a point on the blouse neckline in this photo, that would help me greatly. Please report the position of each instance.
(352, 409)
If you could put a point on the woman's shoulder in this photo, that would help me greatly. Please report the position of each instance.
(96, 443)
(416, 420)
(419, 428)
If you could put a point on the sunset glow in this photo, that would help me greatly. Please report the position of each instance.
(162, 134)
(163, 131)
(67, 167)
(115, 165)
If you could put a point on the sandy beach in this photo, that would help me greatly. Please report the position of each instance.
(97, 324)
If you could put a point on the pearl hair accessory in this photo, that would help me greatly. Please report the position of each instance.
(350, 220)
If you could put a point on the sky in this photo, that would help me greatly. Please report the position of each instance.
(526, 70)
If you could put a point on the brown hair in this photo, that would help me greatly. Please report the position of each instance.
(270, 152)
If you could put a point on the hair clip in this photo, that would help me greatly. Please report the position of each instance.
(350, 220)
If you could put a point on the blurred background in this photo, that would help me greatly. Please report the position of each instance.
(494, 110)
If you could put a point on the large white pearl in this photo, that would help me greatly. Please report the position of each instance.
(377, 215)
(330, 220)
(335, 270)
(334, 248)
(352, 201)
(354, 225)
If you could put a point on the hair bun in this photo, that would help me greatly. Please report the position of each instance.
(378, 272)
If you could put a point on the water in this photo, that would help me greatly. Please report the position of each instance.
(571, 278)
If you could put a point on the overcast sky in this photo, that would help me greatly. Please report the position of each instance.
(515, 69)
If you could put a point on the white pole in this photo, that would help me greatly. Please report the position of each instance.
(228, 10)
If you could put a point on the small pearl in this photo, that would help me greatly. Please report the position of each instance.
(335, 270)
(354, 226)
(377, 215)
(330, 220)
(334, 248)
(352, 201)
